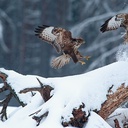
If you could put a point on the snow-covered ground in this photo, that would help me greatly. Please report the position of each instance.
(69, 92)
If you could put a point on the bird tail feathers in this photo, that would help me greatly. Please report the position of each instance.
(60, 61)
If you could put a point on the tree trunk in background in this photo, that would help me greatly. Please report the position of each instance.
(33, 52)
(30, 55)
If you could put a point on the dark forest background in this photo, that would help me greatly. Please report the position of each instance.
(22, 51)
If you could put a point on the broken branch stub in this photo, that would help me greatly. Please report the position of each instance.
(43, 90)
(113, 101)
(5, 105)
(79, 117)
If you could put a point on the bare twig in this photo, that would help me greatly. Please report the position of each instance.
(116, 123)
(35, 112)
(38, 119)
(114, 116)
(30, 89)
(41, 84)
(4, 108)
(4, 88)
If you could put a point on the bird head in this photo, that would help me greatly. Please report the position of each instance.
(120, 17)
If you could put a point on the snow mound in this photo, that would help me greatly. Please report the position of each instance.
(69, 92)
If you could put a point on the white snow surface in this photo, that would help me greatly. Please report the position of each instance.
(121, 115)
(95, 121)
(69, 92)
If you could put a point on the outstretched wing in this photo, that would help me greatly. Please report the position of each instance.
(111, 24)
(60, 61)
(46, 34)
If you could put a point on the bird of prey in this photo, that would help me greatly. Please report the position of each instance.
(60, 61)
(113, 23)
(62, 40)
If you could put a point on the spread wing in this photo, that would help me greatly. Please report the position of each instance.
(46, 34)
(111, 24)
(60, 61)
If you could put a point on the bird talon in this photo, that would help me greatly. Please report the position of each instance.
(82, 62)
(87, 57)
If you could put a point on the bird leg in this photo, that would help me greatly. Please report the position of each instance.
(87, 57)
(82, 62)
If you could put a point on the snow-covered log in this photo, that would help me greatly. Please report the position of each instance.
(114, 101)
(73, 99)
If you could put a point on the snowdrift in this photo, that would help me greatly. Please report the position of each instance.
(87, 90)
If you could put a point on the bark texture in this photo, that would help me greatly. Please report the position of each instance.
(113, 101)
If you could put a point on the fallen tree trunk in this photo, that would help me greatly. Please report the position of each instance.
(114, 101)
(79, 113)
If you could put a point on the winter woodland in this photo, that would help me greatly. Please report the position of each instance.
(94, 95)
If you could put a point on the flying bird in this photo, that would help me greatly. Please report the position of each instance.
(60, 61)
(115, 22)
(62, 40)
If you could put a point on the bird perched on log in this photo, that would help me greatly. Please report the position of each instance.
(62, 41)
(113, 23)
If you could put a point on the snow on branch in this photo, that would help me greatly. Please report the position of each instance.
(71, 101)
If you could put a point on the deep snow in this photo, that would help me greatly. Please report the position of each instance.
(69, 92)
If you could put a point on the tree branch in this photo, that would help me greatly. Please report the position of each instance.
(43, 90)
(114, 101)
(116, 123)
(5, 104)
(38, 119)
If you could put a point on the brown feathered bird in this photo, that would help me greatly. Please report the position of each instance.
(63, 42)
(113, 23)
